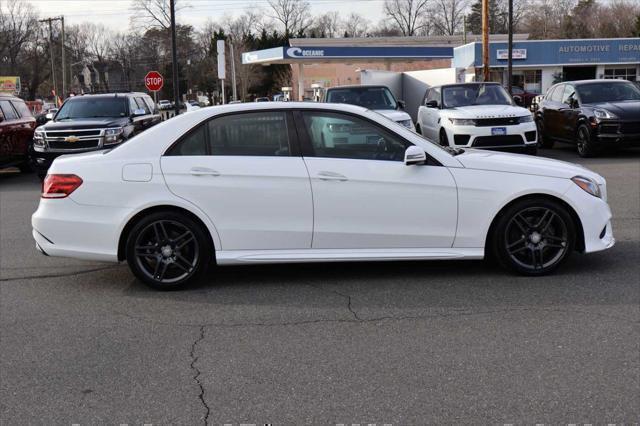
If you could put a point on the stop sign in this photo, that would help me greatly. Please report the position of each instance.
(153, 81)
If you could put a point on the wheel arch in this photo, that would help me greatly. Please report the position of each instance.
(124, 235)
(580, 242)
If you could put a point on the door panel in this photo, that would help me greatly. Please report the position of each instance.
(260, 201)
(381, 204)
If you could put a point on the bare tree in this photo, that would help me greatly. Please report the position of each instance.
(547, 19)
(99, 41)
(327, 25)
(408, 15)
(294, 15)
(154, 14)
(448, 15)
(18, 20)
(355, 25)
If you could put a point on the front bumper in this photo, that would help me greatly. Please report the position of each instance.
(518, 136)
(595, 216)
(615, 132)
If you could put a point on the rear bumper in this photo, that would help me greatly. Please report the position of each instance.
(62, 227)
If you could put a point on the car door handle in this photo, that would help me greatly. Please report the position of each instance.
(332, 176)
(203, 171)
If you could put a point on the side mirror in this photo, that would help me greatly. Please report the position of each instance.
(518, 100)
(414, 155)
(401, 104)
(572, 102)
(49, 116)
(431, 104)
(138, 112)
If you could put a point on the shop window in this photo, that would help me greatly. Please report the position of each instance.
(621, 73)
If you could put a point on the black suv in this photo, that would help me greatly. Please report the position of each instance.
(593, 114)
(91, 122)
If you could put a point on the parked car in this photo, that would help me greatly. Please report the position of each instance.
(262, 99)
(522, 97)
(16, 131)
(89, 123)
(164, 104)
(376, 98)
(592, 114)
(272, 183)
(478, 115)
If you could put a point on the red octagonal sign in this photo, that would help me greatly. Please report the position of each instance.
(153, 81)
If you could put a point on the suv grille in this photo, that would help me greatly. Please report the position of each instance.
(485, 141)
(74, 139)
(630, 127)
(501, 121)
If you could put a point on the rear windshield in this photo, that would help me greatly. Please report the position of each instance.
(368, 97)
(607, 92)
(93, 108)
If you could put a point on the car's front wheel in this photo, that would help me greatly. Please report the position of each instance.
(534, 236)
(444, 140)
(543, 140)
(585, 145)
(166, 250)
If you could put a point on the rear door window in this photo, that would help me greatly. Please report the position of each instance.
(8, 111)
(258, 134)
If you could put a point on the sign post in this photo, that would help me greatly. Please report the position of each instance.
(221, 65)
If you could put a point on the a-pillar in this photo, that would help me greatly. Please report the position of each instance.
(300, 81)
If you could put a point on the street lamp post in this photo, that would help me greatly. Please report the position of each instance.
(174, 58)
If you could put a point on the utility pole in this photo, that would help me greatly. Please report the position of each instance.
(174, 58)
(62, 48)
(464, 29)
(485, 40)
(64, 83)
(510, 47)
(53, 68)
(233, 71)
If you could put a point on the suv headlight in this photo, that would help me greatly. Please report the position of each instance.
(587, 185)
(406, 123)
(525, 119)
(462, 121)
(602, 113)
(113, 135)
(38, 138)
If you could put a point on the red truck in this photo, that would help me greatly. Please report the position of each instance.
(17, 125)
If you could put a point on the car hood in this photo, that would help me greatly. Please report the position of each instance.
(486, 111)
(393, 114)
(626, 110)
(86, 123)
(523, 164)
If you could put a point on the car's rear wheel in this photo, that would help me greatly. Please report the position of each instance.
(585, 145)
(166, 250)
(543, 140)
(534, 236)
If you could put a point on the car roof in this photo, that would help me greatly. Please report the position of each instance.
(359, 86)
(475, 83)
(108, 95)
(595, 80)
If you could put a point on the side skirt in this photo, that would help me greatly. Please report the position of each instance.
(237, 257)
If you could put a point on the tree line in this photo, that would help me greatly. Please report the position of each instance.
(99, 59)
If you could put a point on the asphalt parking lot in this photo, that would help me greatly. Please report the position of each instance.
(394, 343)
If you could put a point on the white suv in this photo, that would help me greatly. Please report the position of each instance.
(478, 115)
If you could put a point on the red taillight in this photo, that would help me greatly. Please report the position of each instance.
(60, 186)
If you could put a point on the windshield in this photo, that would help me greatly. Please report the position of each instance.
(594, 93)
(93, 108)
(368, 97)
(474, 94)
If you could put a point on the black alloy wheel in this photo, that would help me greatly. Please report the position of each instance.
(585, 145)
(167, 250)
(534, 237)
(543, 139)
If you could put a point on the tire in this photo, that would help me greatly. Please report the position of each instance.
(584, 144)
(25, 167)
(172, 250)
(41, 176)
(543, 139)
(533, 237)
(531, 150)
(444, 140)
(418, 129)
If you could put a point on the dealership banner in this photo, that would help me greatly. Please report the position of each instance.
(10, 85)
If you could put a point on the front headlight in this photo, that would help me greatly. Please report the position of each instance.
(406, 123)
(602, 113)
(587, 185)
(462, 121)
(113, 135)
(38, 138)
(525, 119)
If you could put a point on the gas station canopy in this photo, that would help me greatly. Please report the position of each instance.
(316, 54)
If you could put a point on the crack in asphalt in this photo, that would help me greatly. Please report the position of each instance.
(60, 275)
(197, 374)
(346, 296)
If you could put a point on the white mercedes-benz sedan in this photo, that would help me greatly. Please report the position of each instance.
(303, 182)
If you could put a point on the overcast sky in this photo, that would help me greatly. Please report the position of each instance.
(116, 13)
